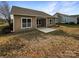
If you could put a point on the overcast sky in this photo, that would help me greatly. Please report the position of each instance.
(51, 7)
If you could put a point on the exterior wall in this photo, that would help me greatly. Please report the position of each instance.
(65, 19)
(48, 22)
(68, 19)
(72, 19)
(56, 20)
(77, 19)
(17, 23)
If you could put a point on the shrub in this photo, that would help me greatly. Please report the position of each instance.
(66, 23)
(11, 26)
(71, 23)
(5, 30)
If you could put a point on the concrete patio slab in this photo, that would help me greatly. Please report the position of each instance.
(46, 30)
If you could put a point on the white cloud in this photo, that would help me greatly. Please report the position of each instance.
(49, 8)
(67, 7)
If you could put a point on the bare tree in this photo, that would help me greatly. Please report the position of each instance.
(5, 11)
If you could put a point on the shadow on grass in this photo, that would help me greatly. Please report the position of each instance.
(62, 33)
(76, 36)
(29, 35)
(33, 35)
(16, 33)
(36, 34)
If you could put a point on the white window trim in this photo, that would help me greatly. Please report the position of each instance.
(26, 18)
(51, 21)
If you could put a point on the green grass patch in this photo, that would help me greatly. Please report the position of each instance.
(72, 26)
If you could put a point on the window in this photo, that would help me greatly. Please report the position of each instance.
(25, 22)
(51, 21)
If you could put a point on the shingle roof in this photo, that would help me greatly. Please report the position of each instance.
(68, 15)
(30, 12)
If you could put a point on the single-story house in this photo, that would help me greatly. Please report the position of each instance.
(63, 18)
(24, 18)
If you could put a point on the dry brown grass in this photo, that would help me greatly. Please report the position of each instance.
(60, 43)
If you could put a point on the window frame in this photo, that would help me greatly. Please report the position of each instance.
(50, 21)
(26, 21)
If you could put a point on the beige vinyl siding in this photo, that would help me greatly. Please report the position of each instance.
(17, 22)
(48, 22)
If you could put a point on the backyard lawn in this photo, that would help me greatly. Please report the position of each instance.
(64, 42)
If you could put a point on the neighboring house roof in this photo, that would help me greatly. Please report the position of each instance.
(67, 15)
(29, 12)
(75, 15)
(61, 14)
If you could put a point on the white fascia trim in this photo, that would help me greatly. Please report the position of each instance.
(13, 24)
